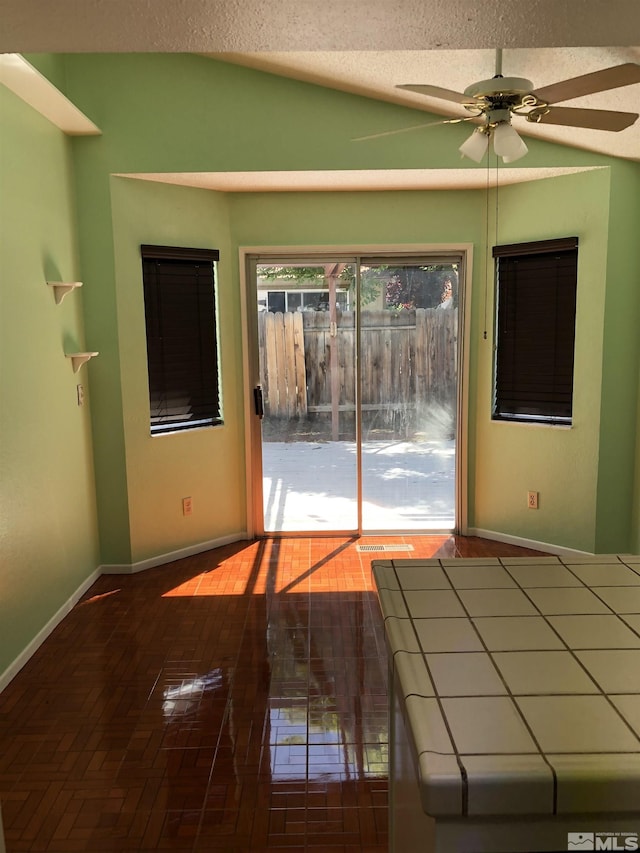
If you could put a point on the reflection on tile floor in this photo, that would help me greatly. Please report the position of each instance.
(232, 701)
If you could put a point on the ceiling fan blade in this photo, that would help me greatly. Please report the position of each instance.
(589, 84)
(593, 119)
(413, 127)
(435, 92)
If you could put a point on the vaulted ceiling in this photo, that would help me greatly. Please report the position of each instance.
(377, 73)
(365, 46)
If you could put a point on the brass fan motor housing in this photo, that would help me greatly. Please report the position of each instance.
(509, 94)
(499, 86)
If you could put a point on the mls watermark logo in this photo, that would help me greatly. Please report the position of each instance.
(580, 841)
(602, 841)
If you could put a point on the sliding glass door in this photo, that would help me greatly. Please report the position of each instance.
(307, 354)
(357, 391)
(408, 400)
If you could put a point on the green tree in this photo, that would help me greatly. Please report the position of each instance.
(403, 286)
(419, 286)
(314, 277)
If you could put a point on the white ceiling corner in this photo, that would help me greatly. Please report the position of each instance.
(31, 86)
(356, 180)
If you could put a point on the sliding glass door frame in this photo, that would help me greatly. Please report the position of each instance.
(249, 258)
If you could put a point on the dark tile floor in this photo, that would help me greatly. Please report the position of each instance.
(231, 701)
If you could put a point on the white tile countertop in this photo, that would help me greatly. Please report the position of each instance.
(520, 679)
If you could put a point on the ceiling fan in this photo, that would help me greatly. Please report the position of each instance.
(494, 102)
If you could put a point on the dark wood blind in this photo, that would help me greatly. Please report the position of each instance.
(182, 351)
(536, 292)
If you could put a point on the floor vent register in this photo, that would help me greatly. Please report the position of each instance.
(378, 548)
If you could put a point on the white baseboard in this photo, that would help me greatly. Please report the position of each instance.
(171, 556)
(108, 569)
(42, 635)
(526, 543)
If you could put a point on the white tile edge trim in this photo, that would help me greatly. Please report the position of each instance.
(171, 556)
(495, 536)
(123, 569)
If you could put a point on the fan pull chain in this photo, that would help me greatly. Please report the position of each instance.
(496, 222)
(497, 207)
(486, 244)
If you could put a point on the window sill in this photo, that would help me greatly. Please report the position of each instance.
(186, 430)
(535, 424)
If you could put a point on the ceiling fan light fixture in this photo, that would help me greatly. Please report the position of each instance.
(523, 150)
(507, 143)
(476, 145)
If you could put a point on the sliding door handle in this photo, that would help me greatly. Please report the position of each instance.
(258, 401)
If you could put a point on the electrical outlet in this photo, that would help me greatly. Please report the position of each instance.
(532, 500)
(80, 393)
(187, 506)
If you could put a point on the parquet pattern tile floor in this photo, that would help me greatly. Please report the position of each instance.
(233, 701)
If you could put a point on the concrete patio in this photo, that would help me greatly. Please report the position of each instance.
(405, 485)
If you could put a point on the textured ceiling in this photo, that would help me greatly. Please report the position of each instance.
(276, 25)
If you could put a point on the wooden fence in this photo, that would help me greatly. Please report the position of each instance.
(408, 360)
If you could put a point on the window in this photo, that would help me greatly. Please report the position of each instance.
(536, 308)
(279, 301)
(182, 349)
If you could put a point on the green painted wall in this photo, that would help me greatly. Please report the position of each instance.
(621, 357)
(207, 464)
(48, 532)
(635, 513)
(98, 265)
(51, 66)
(162, 112)
(347, 218)
(560, 463)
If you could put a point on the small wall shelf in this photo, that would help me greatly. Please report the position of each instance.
(79, 358)
(61, 288)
